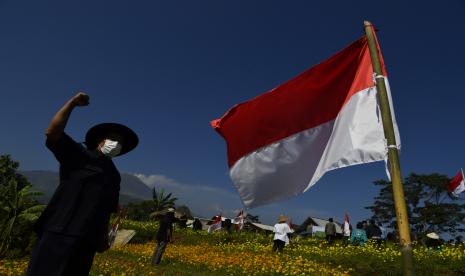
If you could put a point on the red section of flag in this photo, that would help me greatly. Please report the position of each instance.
(455, 182)
(313, 98)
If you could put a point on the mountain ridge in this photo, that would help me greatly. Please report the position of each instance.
(132, 190)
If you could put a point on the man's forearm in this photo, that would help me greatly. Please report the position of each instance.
(58, 123)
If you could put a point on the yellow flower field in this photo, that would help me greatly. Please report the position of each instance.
(198, 253)
(233, 261)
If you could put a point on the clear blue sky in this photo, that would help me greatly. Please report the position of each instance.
(166, 68)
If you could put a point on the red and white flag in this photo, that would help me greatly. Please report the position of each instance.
(457, 184)
(239, 220)
(282, 142)
(346, 226)
(216, 224)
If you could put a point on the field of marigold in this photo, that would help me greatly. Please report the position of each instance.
(220, 253)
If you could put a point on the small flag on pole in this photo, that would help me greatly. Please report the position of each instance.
(114, 228)
(456, 184)
(239, 220)
(347, 226)
(216, 225)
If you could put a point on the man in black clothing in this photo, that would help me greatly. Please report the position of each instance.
(373, 231)
(197, 225)
(74, 225)
(164, 235)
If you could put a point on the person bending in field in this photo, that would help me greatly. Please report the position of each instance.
(164, 234)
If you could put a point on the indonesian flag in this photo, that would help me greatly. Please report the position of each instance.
(240, 220)
(114, 228)
(457, 184)
(216, 225)
(346, 226)
(282, 142)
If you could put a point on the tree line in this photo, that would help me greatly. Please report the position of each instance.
(430, 207)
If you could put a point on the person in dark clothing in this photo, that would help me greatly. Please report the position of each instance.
(182, 221)
(391, 237)
(330, 231)
(374, 232)
(227, 225)
(433, 241)
(164, 235)
(197, 225)
(74, 225)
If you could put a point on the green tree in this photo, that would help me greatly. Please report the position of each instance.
(438, 211)
(383, 210)
(162, 200)
(140, 211)
(428, 205)
(18, 208)
(145, 210)
(183, 209)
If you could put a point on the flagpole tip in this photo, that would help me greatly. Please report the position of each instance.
(366, 23)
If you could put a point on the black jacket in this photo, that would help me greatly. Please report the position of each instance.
(86, 196)
(165, 230)
(373, 231)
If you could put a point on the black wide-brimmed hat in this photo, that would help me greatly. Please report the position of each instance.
(98, 132)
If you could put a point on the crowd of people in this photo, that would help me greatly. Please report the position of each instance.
(283, 233)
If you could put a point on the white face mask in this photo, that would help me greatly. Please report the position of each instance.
(110, 148)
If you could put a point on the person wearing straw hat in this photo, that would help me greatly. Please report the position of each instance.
(432, 240)
(281, 231)
(74, 225)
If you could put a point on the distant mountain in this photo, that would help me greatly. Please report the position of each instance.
(132, 186)
(132, 189)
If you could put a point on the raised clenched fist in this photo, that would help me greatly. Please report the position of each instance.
(81, 99)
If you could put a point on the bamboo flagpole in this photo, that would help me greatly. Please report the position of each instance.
(393, 155)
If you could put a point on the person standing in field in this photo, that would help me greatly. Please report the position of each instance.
(330, 231)
(374, 232)
(164, 235)
(75, 223)
(359, 236)
(281, 231)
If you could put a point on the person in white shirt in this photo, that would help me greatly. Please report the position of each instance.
(281, 229)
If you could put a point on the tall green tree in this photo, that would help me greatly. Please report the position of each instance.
(438, 212)
(140, 211)
(162, 200)
(18, 208)
(428, 205)
(147, 209)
